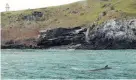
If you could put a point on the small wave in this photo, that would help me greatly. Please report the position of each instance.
(78, 69)
(75, 68)
(70, 49)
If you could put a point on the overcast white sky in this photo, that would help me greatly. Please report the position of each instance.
(26, 4)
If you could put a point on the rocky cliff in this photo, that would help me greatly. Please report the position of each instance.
(113, 34)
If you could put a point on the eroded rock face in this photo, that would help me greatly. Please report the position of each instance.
(114, 34)
(62, 36)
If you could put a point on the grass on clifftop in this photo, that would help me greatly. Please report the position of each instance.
(70, 15)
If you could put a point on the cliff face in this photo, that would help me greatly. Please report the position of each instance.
(62, 36)
(19, 29)
(113, 34)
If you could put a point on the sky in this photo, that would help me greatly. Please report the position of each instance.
(31, 4)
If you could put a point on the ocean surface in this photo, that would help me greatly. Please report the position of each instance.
(67, 64)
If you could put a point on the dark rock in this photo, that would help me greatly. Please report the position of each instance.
(74, 12)
(19, 44)
(103, 13)
(113, 34)
(62, 36)
(37, 16)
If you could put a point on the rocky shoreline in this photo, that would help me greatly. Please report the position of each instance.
(113, 34)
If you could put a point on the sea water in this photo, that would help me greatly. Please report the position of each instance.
(67, 64)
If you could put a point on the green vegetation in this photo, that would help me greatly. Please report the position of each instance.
(71, 15)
